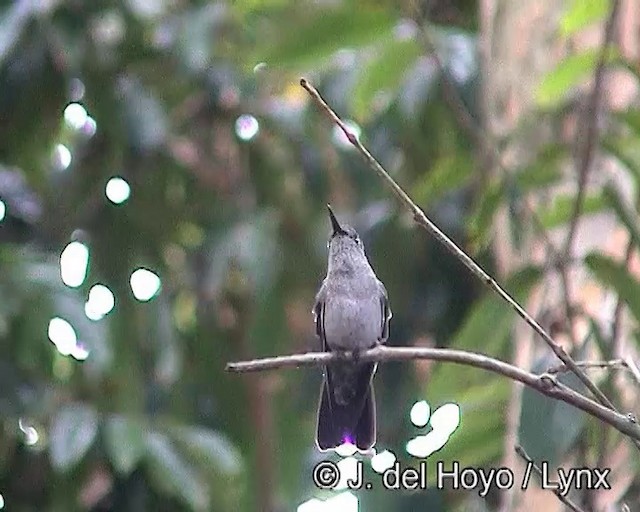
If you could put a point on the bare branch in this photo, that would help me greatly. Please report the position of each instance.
(613, 364)
(545, 383)
(422, 220)
(489, 147)
(590, 135)
(633, 368)
(520, 451)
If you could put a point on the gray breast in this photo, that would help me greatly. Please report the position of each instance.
(352, 323)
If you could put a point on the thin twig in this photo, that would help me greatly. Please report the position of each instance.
(424, 222)
(489, 146)
(591, 133)
(633, 367)
(616, 328)
(617, 315)
(520, 451)
(614, 348)
(545, 383)
(613, 364)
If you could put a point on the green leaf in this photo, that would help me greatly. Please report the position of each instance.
(73, 432)
(252, 245)
(322, 31)
(173, 474)
(478, 438)
(384, 73)
(211, 447)
(561, 210)
(548, 428)
(582, 13)
(625, 215)
(482, 420)
(631, 118)
(616, 276)
(252, 248)
(544, 171)
(219, 461)
(481, 221)
(598, 337)
(626, 151)
(488, 325)
(568, 73)
(124, 440)
(629, 66)
(448, 173)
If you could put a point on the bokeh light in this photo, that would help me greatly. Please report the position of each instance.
(382, 461)
(76, 89)
(260, 67)
(80, 352)
(344, 502)
(247, 127)
(31, 436)
(117, 190)
(346, 449)
(444, 421)
(62, 335)
(61, 157)
(3, 210)
(420, 413)
(348, 471)
(90, 127)
(74, 261)
(144, 284)
(75, 115)
(100, 302)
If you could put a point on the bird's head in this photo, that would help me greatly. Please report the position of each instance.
(346, 251)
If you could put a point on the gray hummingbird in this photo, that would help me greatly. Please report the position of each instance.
(351, 314)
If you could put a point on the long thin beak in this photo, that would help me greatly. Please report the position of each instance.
(334, 222)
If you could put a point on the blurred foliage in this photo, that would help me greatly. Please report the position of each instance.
(229, 212)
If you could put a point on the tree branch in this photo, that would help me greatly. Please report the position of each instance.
(520, 451)
(545, 383)
(422, 220)
(590, 140)
(490, 148)
(612, 364)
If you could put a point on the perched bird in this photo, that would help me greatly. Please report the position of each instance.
(351, 314)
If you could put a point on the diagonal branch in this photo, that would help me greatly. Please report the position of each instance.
(489, 147)
(422, 220)
(520, 451)
(590, 135)
(545, 383)
(612, 364)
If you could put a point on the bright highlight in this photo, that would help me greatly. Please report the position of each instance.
(144, 284)
(117, 190)
(74, 261)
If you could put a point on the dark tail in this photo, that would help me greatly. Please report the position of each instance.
(347, 411)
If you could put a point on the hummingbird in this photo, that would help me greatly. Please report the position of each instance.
(351, 314)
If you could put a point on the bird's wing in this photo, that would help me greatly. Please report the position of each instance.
(318, 316)
(385, 312)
